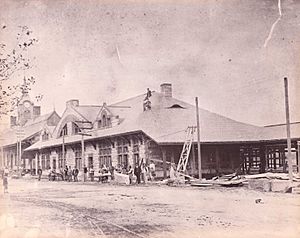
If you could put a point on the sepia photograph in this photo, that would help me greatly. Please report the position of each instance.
(149, 118)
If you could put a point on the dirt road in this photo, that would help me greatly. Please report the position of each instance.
(62, 209)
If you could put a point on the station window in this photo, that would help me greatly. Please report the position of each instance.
(122, 149)
(78, 160)
(105, 155)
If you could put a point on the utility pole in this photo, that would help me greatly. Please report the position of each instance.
(288, 129)
(198, 140)
(63, 150)
(298, 144)
(20, 154)
(82, 150)
(17, 154)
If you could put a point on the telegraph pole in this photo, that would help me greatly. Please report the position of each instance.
(17, 154)
(20, 155)
(288, 129)
(198, 140)
(82, 150)
(85, 125)
(298, 144)
(63, 150)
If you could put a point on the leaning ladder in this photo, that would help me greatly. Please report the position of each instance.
(184, 157)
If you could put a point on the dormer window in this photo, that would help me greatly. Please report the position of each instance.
(105, 121)
(45, 136)
(75, 129)
(64, 131)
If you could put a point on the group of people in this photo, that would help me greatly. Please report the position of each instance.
(142, 172)
(70, 174)
(66, 174)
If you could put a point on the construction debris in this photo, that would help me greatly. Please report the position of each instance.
(269, 175)
(275, 182)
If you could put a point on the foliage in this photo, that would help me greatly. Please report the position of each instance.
(13, 60)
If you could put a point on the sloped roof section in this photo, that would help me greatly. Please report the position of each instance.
(31, 128)
(89, 112)
(40, 119)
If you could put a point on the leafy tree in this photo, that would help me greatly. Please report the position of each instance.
(13, 60)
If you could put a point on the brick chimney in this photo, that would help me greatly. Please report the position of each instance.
(13, 121)
(36, 111)
(72, 103)
(166, 89)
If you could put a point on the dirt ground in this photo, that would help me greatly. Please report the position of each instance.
(62, 209)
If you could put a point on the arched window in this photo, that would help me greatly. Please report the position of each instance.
(103, 120)
(99, 124)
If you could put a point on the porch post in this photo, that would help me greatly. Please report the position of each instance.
(172, 156)
(36, 163)
(30, 164)
(40, 160)
(262, 156)
(164, 154)
(218, 160)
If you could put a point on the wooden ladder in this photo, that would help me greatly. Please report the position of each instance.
(184, 157)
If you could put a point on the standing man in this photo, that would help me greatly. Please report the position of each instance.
(40, 171)
(137, 173)
(75, 174)
(85, 170)
(66, 173)
(130, 174)
(49, 173)
(69, 174)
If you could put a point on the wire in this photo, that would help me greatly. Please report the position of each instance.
(173, 133)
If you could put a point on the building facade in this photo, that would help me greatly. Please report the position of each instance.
(25, 129)
(152, 127)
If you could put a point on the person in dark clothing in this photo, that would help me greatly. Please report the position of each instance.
(40, 171)
(75, 174)
(66, 173)
(137, 173)
(69, 174)
(85, 170)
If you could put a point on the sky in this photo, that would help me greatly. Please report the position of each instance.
(106, 51)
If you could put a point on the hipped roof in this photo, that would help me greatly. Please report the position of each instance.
(167, 121)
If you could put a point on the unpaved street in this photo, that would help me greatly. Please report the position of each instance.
(62, 209)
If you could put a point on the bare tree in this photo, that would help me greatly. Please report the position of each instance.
(13, 60)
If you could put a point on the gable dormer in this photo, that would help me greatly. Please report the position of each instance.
(67, 126)
(106, 118)
(46, 133)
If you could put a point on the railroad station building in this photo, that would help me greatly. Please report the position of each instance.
(150, 127)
